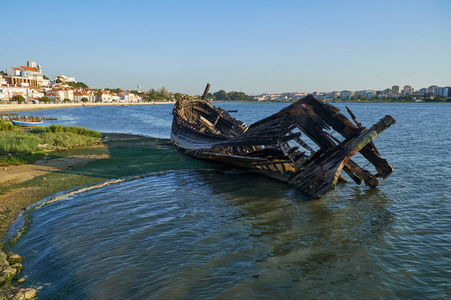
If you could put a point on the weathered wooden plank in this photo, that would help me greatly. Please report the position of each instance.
(342, 125)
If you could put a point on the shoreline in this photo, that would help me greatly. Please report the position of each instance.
(41, 106)
(118, 158)
(115, 157)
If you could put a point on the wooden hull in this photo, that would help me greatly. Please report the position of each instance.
(274, 147)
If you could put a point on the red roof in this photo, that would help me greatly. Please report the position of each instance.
(29, 69)
(81, 94)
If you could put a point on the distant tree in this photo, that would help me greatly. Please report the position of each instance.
(153, 95)
(117, 91)
(163, 93)
(18, 98)
(59, 81)
(98, 94)
(220, 95)
(409, 98)
(77, 84)
(211, 97)
(3, 73)
(439, 98)
(237, 96)
(46, 99)
(84, 99)
(45, 77)
(66, 100)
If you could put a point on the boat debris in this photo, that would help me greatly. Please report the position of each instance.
(306, 144)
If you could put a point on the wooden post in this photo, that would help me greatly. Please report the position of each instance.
(204, 95)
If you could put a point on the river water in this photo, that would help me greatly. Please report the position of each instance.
(227, 234)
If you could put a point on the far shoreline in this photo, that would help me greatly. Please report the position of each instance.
(5, 108)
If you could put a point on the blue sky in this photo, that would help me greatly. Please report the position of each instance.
(250, 46)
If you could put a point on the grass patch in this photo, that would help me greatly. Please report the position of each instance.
(18, 142)
(19, 147)
(6, 126)
(68, 129)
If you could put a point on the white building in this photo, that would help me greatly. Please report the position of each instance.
(65, 79)
(106, 96)
(443, 91)
(407, 90)
(126, 96)
(432, 89)
(115, 97)
(60, 94)
(80, 95)
(30, 71)
(345, 95)
(29, 93)
(3, 80)
(34, 93)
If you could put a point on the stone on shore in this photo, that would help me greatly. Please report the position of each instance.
(14, 258)
(23, 294)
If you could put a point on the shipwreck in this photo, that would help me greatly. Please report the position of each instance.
(306, 144)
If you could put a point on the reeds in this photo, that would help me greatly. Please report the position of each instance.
(18, 146)
(18, 142)
(68, 129)
(6, 126)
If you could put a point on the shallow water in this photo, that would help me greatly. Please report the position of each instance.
(219, 234)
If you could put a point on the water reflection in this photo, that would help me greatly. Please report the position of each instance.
(206, 234)
(304, 243)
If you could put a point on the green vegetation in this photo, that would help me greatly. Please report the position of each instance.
(222, 95)
(158, 95)
(46, 99)
(84, 100)
(19, 98)
(116, 91)
(77, 85)
(6, 126)
(18, 146)
(153, 95)
(68, 129)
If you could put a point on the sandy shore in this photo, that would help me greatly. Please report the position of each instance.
(25, 107)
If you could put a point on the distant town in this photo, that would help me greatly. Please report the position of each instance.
(28, 84)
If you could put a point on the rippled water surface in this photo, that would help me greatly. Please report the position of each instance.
(215, 234)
